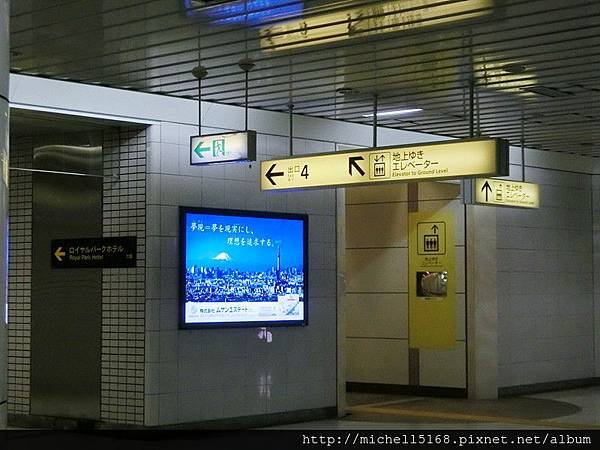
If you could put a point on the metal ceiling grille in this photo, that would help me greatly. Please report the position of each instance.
(534, 64)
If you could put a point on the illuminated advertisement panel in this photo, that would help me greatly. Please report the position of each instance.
(242, 268)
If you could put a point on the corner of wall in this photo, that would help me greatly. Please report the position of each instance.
(482, 310)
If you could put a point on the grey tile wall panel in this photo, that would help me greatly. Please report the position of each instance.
(124, 290)
(19, 279)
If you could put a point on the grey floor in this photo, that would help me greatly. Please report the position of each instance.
(577, 409)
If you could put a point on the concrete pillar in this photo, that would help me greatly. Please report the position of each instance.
(482, 309)
(4, 74)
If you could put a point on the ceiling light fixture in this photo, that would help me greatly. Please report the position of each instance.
(398, 112)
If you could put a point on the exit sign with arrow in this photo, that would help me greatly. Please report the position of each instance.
(223, 147)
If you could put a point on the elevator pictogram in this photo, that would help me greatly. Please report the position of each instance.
(431, 238)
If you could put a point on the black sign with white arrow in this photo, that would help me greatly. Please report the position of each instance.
(270, 174)
(109, 252)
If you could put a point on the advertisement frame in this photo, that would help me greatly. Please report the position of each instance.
(183, 212)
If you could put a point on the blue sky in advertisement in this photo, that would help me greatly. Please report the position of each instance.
(242, 242)
(231, 13)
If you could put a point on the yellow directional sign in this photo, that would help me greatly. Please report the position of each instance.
(489, 191)
(430, 161)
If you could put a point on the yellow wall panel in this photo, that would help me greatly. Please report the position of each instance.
(431, 281)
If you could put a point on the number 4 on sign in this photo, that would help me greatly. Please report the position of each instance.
(304, 172)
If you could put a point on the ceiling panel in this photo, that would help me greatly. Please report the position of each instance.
(525, 70)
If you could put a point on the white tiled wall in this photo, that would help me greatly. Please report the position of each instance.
(443, 368)
(546, 283)
(198, 375)
(535, 247)
(447, 369)
(377, 286)
(123, 289)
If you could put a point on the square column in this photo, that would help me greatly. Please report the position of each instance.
(482, 308)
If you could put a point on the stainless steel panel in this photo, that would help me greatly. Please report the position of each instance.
(69, 158)
(3, 253)
(65, 303)
(4, 48)
(4, 75)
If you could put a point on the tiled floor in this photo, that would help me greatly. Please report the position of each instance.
(570, 409)
(577, 409)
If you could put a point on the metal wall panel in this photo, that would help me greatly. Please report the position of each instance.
(4, 64)
(65, 303)
(4, 47)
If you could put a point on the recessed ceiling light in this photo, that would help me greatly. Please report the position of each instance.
(397, 112)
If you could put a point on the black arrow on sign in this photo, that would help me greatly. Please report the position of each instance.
(435, 229)
(487, 188)
(270, 174)
(353, 162)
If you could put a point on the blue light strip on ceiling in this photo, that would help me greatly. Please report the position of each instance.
(232, 13)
